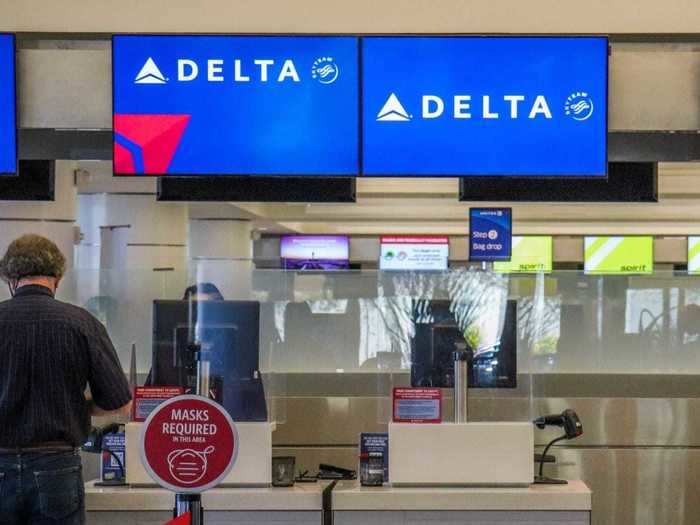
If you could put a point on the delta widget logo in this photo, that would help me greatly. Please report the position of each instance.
(146, 144)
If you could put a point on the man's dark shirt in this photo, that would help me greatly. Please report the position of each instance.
(49, 352)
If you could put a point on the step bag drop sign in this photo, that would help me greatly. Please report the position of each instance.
(189, 444)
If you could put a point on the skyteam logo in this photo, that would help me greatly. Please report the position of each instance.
(150, 74)
(579, 106)
(325, 70)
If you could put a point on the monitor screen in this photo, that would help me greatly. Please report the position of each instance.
(228, 334)
(414, 253)
(235, 105)
(617, 255)
(694, 255)
(8, 111)
(315, 252)
(491, 339)
(460, 106)
(530, 254)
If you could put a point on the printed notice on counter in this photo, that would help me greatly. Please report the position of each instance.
(110, 468)
(148, 398)
(417, 405)
(376, 442)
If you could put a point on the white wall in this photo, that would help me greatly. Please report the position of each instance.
(54, 220)
(370, 16)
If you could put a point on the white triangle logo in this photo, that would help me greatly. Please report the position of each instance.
(393, 111)
(150, 74)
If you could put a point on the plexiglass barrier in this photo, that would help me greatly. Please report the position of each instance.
(356, 334)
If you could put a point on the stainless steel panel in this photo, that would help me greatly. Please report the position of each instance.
(645, 486)
(606, 422)
(211, 518)
(308, 458)
(630, 422)
(330, 421)
(460, 518)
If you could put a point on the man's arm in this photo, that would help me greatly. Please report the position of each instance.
(121, 413)
(110, 394)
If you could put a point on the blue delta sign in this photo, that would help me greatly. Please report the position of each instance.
(460, 106)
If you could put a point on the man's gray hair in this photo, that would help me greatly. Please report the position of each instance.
(32, 256)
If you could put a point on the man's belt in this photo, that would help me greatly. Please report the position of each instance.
(51, 446)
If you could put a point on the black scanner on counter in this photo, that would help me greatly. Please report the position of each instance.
(570, 422)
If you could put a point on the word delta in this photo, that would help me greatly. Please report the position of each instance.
(433, 106)
(261, 70)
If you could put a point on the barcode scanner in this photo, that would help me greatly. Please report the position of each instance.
(570, 422)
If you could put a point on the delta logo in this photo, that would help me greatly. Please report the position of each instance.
(578, 106)
(146, 144)
(325, 70)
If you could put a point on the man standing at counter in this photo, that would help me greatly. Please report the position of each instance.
(50, 352)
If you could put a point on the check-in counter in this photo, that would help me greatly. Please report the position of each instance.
(298, 505)
(551, 504)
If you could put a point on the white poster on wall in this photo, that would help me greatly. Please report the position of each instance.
(414, 253)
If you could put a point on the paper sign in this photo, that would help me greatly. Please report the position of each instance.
(417, 405)
(110, 467)
(376, 442)
(414, 253)
(147, 399)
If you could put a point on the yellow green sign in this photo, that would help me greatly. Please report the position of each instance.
(531, 254)
(694, 255)
(619, 255)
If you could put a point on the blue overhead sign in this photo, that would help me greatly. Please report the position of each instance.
(8, 121)
(235, 105)
(522, 106)
(490, 234)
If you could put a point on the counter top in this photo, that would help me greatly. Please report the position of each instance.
(575, 496)
(300, 497)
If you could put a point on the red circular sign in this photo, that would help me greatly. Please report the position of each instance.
(189, 444)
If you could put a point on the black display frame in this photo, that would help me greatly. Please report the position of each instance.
(35, 182)
(626, 182)
(225, 188)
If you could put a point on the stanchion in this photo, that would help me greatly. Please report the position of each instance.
(192, 503)
(189, 504)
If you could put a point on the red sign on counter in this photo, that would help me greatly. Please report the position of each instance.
(189, 444)
(147, 399)
(417, 405)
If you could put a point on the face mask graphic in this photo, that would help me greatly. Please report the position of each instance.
(188, 466)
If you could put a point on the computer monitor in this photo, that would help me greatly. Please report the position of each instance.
(325, 333)
(438, 335)
(228, 334)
